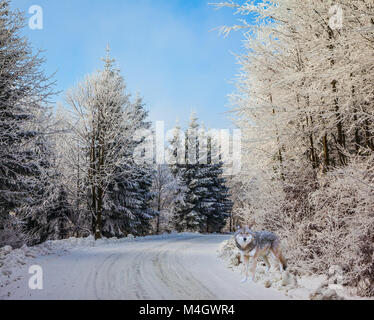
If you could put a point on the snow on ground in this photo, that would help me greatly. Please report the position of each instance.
(174, 267)
(12, 262)
(301, 288)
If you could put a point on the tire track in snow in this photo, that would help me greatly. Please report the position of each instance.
(171, 270)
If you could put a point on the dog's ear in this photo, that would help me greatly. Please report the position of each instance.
(251, 224)
(237, 230)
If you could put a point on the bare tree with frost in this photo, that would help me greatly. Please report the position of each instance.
(165, 188)
(108, 129)
(99, 103)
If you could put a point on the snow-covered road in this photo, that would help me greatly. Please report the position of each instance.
(179, 267)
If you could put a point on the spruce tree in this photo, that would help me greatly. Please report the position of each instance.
(117, 186)
(204, 204)
(221, 207)
(100, 102)
(187, 212)
(49, 213)
(24, 90)
(214, 204)
(176, 161)
(129, 197)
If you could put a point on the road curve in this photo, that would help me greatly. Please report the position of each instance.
(180, 268)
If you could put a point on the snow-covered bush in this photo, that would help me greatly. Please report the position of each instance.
(11, 234)
(344, 224)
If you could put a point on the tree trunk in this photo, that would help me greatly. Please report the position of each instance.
(341, 139)
(326, 152)
(100, 201)
(77, 213)
(159, 213)
(368, 137)
(98, 228)
(93, 185)
(230, 222)
(278, 141)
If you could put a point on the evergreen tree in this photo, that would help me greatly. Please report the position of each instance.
(51, 220)
(176, 160)
(177, 151)
(48, 215)
(204, 205)
(215, 206)
(100, 102)
(110, 130)
(186, 214)
(24, 90)
(217, 218)
(129, 197)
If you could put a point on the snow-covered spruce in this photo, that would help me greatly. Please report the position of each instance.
(24, 151)
(204, 205)
(128, 208)
(50, 215)
(108, 129)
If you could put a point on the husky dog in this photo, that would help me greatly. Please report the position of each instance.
(258, 244)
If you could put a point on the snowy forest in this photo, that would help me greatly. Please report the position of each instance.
(71, 170)
(304, 102)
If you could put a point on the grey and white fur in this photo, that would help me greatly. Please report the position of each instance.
(258, 244)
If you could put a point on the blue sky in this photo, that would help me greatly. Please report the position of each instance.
(166, 50)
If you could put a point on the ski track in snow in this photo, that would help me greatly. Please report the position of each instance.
(181, 267)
